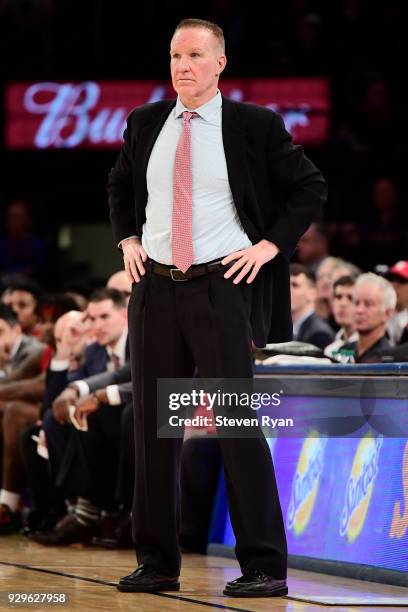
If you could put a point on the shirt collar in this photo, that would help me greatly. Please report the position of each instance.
(210, 111)
(342, 337)
(120, 348)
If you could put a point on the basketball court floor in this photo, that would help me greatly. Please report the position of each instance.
(87, 576)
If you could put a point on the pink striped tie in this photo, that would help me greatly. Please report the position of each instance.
(182, 218)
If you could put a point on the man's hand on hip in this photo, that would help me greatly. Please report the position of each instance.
(133, 256)
(250, 260)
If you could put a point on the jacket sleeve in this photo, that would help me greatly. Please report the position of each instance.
(302, 184)
(120, 191)
(125, 392)
(100, 381)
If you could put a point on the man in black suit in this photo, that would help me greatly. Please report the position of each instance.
(20, 355)
(205, 188)
(20, 389)
(87, 460)
(307, 326)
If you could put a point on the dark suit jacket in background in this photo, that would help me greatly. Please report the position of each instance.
(316, 331)
(120, 377)
(276, 189)
(95, 362)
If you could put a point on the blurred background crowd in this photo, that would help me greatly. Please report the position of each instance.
(356, 44)
(65, 392)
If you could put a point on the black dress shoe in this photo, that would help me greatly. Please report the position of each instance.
(255, 583)
(67, 531)
(145, 579)
(36, 521)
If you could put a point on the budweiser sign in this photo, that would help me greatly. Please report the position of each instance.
(92, 115)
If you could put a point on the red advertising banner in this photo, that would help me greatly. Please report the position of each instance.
(92, 115)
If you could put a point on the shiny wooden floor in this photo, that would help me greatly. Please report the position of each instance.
(88, 576)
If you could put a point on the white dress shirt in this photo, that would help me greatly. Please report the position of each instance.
(339, 341)
(216, 229)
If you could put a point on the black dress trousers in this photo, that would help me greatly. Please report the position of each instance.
(173, 328)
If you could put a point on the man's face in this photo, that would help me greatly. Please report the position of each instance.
(324, 280)
(370, 313)
(401, 289)
(301, 292)
(24, 304)
(8, 336)
(195, 61)
(108, 321)
(343, 305)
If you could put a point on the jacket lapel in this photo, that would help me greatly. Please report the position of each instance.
(233, 136)
(146, 139)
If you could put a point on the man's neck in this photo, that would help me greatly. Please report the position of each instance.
(348, 331)
(115, 344)
(367, 340)
(112, 345)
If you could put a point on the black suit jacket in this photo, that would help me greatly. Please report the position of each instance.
(316, 331)
(276, 189)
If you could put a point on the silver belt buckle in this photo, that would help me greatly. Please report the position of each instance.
(172, 270)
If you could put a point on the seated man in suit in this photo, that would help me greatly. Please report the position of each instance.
(21, 395)
(375, 300)
(20, 354)
(86, 461)
(46, 505)
(344, 314)
(114, 388)
(307, 326)
(21, 361)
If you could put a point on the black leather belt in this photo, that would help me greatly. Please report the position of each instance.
(177, 275)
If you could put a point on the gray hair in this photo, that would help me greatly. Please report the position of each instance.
(353, 270)
(387, 290)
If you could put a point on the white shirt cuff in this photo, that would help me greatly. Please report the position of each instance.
(124, 240)
(82, 387)
(114, 399)
(58, 365)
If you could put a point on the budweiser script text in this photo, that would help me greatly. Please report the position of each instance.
(74, 115)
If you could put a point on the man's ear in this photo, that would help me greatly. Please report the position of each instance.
(222, 61)
(388, 313)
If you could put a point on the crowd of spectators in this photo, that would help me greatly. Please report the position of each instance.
(66, 394)
(351, 316)
(66, 420)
